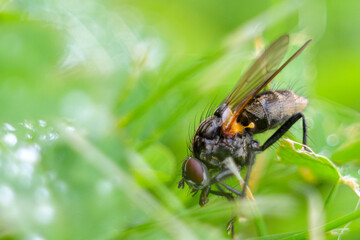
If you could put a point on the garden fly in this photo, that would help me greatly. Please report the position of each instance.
(244, 112)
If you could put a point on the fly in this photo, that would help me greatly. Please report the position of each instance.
(244, 112)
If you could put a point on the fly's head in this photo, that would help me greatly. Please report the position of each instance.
(195, 174)
(194, 171)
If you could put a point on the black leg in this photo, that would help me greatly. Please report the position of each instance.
(230, 224)
(227, 173)
(304, 131)
(221, 176)
(283, 129)
(222, 194)
(229, 196)
(233, 190)
(205, 192)
(230, 227)
(217, 179)
(203, 197)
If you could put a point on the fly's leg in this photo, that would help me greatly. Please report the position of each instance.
(222, 193)
(229, 196)
(283, 129)
(230, 227)
(218, 180)
(227, 173)
(222, 176)
(231, 222)
(215, 180)
(203, 197)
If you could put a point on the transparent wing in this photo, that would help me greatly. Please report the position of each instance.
(264, 67)
(257, 77)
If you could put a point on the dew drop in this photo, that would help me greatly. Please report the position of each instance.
(7, 195)
(28, 136)
(28, 125)
(52, 136)
(10, 139)
(43, 137)
(28, 155)
(42, 123)
(9, 127)
(44, 213)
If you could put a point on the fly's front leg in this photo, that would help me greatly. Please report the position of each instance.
(283, 129)
(218, 180)
(204, 196)
(205, 192)
(231, 222)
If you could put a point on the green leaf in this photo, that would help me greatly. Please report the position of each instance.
(293, 153)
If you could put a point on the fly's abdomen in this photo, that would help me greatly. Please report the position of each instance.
(271, 108)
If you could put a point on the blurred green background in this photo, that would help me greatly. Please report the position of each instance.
(98, 100)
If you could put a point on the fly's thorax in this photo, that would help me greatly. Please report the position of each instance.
(212, 152)
(271, 108)
(223, 112)
(209, 128)
(211, 147)
(242, 148)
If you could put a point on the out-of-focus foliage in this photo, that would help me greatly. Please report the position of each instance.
(97, 99)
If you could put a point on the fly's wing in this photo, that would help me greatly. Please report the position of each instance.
(258, 76)
(259, 72)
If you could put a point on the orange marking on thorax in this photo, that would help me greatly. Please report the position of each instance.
(230, 127)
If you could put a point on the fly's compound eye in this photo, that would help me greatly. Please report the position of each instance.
(195, 173)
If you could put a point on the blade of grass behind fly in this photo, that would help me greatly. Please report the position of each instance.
(304, 234)
(183, 75)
